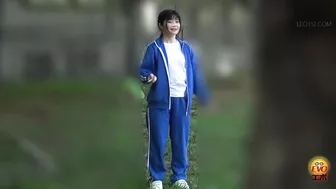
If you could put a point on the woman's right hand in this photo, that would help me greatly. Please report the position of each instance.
(152, 78)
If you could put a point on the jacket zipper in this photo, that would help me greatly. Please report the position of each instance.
(166, 66)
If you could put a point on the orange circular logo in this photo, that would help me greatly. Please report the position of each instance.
(318, 165)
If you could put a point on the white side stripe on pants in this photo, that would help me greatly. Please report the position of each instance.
(148, 150)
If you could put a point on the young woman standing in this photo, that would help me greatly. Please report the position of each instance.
(170, 66)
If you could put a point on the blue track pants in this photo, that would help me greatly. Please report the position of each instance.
(174, 123)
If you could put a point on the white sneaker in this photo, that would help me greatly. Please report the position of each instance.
(181, 184)
(156, 185)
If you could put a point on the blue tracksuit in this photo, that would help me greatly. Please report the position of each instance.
(164, 110)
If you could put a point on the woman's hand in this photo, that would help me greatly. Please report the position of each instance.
(151, 79)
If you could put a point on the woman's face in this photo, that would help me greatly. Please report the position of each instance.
(172, 27)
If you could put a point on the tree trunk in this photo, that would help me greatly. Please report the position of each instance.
(297, 101)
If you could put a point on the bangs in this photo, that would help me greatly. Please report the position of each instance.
(172, 16)
(168, 15)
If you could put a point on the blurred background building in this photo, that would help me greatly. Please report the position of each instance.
(82, 38)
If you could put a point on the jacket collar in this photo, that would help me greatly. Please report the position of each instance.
(159, 41)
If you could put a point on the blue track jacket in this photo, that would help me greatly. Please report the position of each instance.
(155, 62)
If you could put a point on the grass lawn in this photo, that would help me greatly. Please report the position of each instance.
(93, 136)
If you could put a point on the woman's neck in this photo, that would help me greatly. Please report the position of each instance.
(169, 39)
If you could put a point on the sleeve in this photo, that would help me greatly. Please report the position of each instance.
(200, 88)
(147, 65)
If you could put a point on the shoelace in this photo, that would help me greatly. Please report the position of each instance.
(183, 184)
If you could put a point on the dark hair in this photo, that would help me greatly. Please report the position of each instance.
(166, 15)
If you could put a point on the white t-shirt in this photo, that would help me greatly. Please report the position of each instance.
(177, 69)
